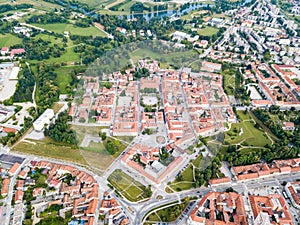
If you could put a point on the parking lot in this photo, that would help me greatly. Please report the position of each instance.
(7, 87)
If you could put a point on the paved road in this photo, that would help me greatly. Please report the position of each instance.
(11, 192)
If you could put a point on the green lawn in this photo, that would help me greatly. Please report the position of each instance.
(72, 29)
(126, 6)
(48, 37)
(176, 58)
(208, 31)
(110, 12)
(229, 81)
(9, 40)
(51, 149)
(37, 4)
(125, 138)
(187, 180)
(64, 77)
(180, 186)
(245, 133)
(127, 186)
(91, 3)
(69, 57)
(265, 128)
(197, 161)
(97, 155)
(168, 214)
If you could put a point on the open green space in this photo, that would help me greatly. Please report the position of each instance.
(50, 38)
(245, 133)
(60, 28)
(170, 59)
(37, 4)
(97, 155)
(51, 149)
(264, 127)
(128, 187)
(9, 40)
(103, 147)
(64, 77)
(208, 31)
(92, 3)
(186, 180)
(125, 138)
(110, 12)
(100, 155)
(125, 7)
(229, 81)
(168, 214)
(69, 57)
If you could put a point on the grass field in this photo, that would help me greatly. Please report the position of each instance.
(9, 40)
(37, 4)
(92, 3)
(127, 186)
(125, 138)
(51, 149)
(187, 176)
(208, 31)
(244, 133)
(96, 154)
(176, 58)
(229, 81)
(64, 77)
(168, 214)
(56, 107)
(69, 57)
(48, 37)
(110, 12)
(72, 29)
(124, 7)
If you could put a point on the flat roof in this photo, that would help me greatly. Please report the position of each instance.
(14, 73)
(10, 159)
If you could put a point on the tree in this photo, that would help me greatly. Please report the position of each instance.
(103, 136)
(61, 131)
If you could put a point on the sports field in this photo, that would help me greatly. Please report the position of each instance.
(208, 31)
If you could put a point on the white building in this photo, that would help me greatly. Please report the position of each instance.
(262, 219)
(14, 73)
(180, 35)
(292, 189)
(44, 119)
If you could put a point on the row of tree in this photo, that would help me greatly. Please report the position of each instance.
(25, 86)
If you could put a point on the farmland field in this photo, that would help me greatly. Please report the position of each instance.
(9, 40)
(72, 29)
(52, 149)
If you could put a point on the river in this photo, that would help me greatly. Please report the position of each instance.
(147, 16)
